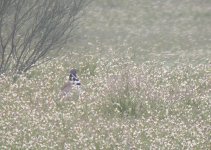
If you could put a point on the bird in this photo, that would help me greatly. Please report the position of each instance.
(72, 82)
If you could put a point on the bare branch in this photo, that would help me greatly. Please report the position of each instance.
(30, 29)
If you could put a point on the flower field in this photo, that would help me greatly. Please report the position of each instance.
(145, 75)
(122, 106)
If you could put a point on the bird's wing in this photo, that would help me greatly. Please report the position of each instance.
(66, 85)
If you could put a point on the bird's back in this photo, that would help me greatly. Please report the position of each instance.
(66, 88)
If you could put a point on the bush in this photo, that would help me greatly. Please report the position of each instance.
(29, 30)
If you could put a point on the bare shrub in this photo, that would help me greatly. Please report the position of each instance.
(29, 30)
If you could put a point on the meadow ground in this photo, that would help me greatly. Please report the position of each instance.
(145, 71)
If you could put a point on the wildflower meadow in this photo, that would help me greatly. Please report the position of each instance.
(145, 83)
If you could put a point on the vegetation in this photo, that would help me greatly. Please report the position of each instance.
(145, 78)
(29, 30)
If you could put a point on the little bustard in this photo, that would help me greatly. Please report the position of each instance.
(72, 83)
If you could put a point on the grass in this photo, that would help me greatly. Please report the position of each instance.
(172, 31)
(145, 73)
(150, 106)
